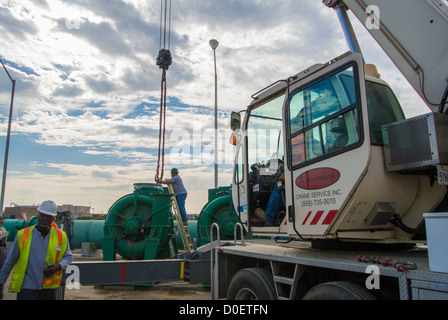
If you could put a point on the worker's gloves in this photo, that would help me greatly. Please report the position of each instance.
(49, 270)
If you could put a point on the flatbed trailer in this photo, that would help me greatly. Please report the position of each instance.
(266, 269)
(292, 270)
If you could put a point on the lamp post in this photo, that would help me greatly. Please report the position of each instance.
(214, 44)
(5, 163)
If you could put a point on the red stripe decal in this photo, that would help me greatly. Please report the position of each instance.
(306, 219)
(330, 216)
(123, 272)
(316, 218)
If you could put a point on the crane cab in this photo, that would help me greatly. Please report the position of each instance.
(310, 164)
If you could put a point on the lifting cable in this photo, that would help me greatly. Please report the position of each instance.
(164, 60)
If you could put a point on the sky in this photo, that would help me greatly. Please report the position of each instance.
(85, 124)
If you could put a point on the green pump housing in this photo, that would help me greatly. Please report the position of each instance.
(139, 226)
(219, 209)
(14, 225)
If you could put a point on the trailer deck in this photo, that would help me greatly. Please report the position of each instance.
(416, 283)
(409, 268)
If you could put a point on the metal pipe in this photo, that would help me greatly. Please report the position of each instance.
(216, 122)
(241, 231)
(8, 135)
(347, 28)
(213, 257)
(214, 44)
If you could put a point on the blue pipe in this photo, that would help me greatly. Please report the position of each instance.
(346, 28)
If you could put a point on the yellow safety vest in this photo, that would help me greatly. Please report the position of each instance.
(55, 252)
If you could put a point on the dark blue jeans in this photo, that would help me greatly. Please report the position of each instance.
(28, 294)
(181, 203)
(274, 207)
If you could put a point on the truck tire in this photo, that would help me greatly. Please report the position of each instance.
(338, 290)
(252, 284)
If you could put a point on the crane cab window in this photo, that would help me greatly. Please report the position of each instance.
(383, 108)
(323, 118)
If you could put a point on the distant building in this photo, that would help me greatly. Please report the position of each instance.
(29, 211)
(77, 211)
(20, 212)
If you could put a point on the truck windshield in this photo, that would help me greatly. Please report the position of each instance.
(264, 133)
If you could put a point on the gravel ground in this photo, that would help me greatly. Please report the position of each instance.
(159, 291)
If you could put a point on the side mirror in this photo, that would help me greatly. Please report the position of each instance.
(235, 121)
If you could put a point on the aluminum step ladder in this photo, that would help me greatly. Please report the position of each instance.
(183, 230)
(285, 286)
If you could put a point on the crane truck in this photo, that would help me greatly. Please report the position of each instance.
(327, 164)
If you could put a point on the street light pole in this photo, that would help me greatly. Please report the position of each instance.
(5, 163)
(214, 44)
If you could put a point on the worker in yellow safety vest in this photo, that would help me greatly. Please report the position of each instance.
(39, 253)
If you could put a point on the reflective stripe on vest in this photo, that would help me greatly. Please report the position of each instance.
(56, 249)
(26, 232)
(54, 280)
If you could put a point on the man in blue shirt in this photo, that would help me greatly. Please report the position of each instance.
(36, 270)
(179, 191)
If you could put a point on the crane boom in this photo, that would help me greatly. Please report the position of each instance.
(413, 33)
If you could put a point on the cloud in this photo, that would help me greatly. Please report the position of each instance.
(102, 36)
(16, 28)
(68, 90)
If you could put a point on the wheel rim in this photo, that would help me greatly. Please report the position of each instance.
(246, 294)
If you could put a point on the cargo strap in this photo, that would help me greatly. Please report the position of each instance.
(183, 230)
(399, 265)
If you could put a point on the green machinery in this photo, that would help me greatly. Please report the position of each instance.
(14, 225)
(220, 210)
(86, 231)
(140, 226)
(91, 231)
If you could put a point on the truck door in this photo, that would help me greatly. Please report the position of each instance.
(327, 144)
(259, 159)
(239, 185)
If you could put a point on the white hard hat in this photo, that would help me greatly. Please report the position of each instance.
(48, 207)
